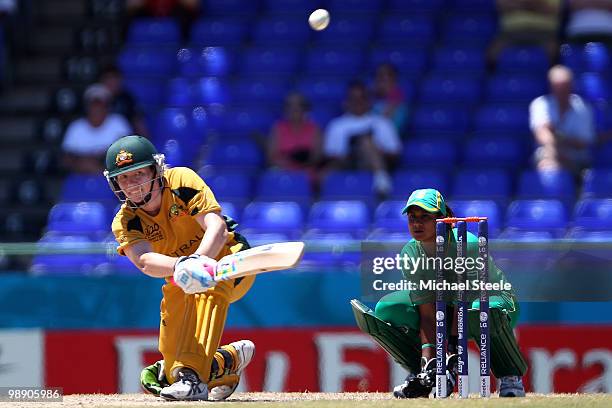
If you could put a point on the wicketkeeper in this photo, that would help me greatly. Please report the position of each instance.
(403, 322)
(170, 222)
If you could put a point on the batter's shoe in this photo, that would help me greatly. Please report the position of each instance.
(511, 386)
(245, 349)
(187, 387)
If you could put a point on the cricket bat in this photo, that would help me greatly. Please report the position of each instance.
(260, 259)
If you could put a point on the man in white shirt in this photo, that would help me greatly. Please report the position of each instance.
(562, 124)
(362, 139)
(87, 138)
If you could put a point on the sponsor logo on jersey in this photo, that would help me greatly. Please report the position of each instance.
(123, 158)
(175, 212)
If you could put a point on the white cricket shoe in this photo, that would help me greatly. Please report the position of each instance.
(245, 350)
(187, 387)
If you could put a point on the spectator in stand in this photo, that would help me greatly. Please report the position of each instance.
(527, 22)
(562, 124)
(389, 99)
(87, 138)
(295, 140)
(590, 20)
(361, 139)
(122, 101)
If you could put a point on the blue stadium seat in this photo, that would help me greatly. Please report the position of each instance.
(400, 29)
(281, 30)
(406, 181)
(270, 61)
(476, 6)
(334, 61)
(339, 185)
(598, 182)
(547, 184)
(246, 120)
(593, 86)
(482, 184)
(230, 209)
(256, 238)
(347, 30)
(603, 117)
(180, 93)
(208, 61)
(340, 256)
(388, 216)
(440, 120)
(370, 7)
(492, 152)
(517, 235)
(593, 214)
(81, 187)
(175, 123)
(515, 88)
(278, 185)
(479, 208)
(469, 28)
(415, 6)
(270, 92)
(218, 31)
(410, 61)
(442, 89)
(537, 215)
(178, 153)
(590, 236)
(596, 57)
(153, 31)
(429, 153)
(79, 218)
(571, 56)
(526, 59)
(340, 216)
(147, 92)
(212, 90)
(502, 119)
(238, 154)
(459, 60)
(233, 186)
(147, 62)
(230, 7)
(268, 217)
(67, 264)
(383, 235)
(322, 89)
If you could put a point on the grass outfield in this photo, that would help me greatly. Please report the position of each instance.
(316, 400)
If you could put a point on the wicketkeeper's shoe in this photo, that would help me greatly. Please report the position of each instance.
(153, 379)
(187, 387)
(511, 386)
(245, 349)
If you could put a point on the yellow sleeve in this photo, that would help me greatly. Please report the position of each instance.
(198, 197)
(127, 229)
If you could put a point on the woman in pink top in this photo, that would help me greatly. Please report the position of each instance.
(295, 140)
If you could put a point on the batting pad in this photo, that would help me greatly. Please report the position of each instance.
(404, 348)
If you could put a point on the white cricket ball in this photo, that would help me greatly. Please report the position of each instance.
(319, 19)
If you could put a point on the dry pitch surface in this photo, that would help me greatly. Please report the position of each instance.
(316, 400)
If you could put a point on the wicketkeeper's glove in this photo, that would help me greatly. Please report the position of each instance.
(153, 379)
(194, 273)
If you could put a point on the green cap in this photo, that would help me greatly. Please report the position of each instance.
(129, 153)
(429, 199)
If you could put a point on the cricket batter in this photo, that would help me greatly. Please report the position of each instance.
(170, 219)
(403, 322)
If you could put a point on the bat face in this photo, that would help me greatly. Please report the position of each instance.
(264, 258)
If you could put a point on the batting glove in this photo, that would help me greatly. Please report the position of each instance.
(194, 273)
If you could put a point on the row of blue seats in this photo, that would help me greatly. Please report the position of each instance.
(242, 187)
(272, 60)
(354, 217)
(251, 8)
(331, 227)
(293, 29)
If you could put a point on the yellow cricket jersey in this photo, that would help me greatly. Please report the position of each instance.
(174, 230)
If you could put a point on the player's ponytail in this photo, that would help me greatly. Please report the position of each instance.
(449, 212)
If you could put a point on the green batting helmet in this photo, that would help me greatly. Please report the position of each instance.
(129, 153)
